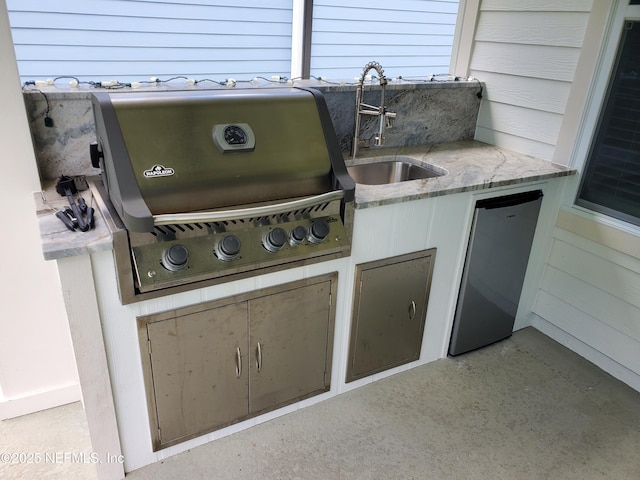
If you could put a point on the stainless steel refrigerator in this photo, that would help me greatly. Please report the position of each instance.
(495, 266)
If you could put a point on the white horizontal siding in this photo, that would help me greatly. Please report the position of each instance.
(30, 23)
(536, 61)
(604, 269)
(562, 29)
(142, 70)
(582, 326)
(592, 292)
(134, 39)
(589, 296)
(526, 53)
(538, 5)
(528, 92)
(540, 126)
(148, 54)
(514, 142)
(274, 10)
(590, 300)
(110, 39)
(407, 37)
(331, 25)
(350, 50)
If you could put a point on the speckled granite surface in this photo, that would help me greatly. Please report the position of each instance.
(57, 240)
(435, 124)
(423, 115)
(470, 166)
(427, 113)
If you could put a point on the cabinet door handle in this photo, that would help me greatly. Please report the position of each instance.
(412, 310)
(259, 357)
(238, 362)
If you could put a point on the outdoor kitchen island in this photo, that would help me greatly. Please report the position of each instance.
(389, 221)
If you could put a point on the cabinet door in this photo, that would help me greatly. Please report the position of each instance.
(390, 307)
(290, 345)
(199, 371)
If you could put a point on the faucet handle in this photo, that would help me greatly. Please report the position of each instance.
(388, 116)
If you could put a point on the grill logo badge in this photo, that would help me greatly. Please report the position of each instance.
(158, 171)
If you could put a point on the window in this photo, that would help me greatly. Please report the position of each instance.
(132, 40)
(611, 180)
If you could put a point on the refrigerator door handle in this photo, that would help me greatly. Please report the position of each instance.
(509, 200)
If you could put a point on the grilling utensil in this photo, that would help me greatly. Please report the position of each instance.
(73, 217)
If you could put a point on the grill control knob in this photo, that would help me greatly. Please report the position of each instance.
(298, 235)
(318, 231)
(175, 257)
(275, 239)
(228, 248)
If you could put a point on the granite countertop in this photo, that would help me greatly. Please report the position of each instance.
(57, 240)
(470, 166)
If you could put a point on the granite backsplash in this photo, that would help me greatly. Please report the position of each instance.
(427, 114)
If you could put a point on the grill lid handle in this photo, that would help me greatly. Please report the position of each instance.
(264, 210)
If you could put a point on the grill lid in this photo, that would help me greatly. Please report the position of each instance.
(179, 152)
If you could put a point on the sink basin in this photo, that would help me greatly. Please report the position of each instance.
(381, 172)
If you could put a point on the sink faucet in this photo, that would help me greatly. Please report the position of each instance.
(365, 109)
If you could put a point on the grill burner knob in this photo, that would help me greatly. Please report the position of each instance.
(298, 235)
(228, 248)
(275, 240)
(175, 257)
(318, 231)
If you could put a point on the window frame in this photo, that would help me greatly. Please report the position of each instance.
(620, 11)
(600, 131)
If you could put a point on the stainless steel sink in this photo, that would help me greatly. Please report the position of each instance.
(391, 170)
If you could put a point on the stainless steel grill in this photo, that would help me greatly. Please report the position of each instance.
(202, 187)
